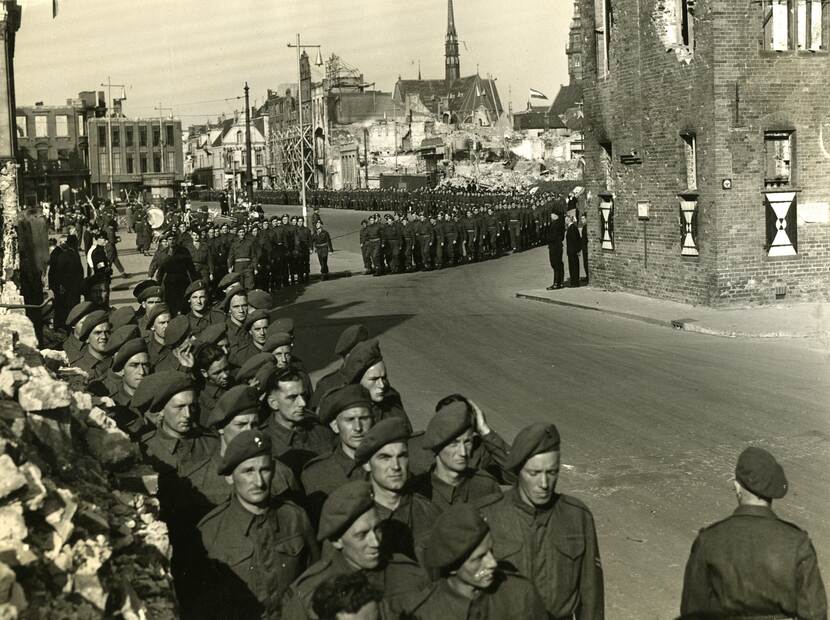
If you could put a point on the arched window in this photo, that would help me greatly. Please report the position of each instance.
(239, 137)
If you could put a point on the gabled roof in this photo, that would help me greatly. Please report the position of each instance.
(568, 97)
(225, 127)
(461, 96)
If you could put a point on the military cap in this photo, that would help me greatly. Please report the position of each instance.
(229, 279)
(146, 289)
(384, 432)
(253, 317)
(120, 336)
(759, 472)
(344, 506)
(532, 440)
(259, 299)
(265, 372)
(364, 355)
(236, 289)
(125, 315)
(454, 535)
(178, 330)
(284, 324)
(79, 311)
(251, 365)
(146, 390)
(246, 445)
(447, 424)
(213, 333)
(350, 337)
(154, 313)
(171, 383)
(238, 400)
(197, 285)
(275, 341)
(91, 321)
(339, 399)
(131, 347)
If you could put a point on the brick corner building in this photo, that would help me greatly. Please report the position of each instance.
(713, 118)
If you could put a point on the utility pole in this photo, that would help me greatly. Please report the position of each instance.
(366, 153)
(109, 86)
(249, 181)
(161, 112)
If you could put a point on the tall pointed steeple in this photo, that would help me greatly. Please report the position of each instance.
(452, 62)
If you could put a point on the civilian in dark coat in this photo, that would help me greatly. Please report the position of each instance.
(574, 242)
(556, 235)
(176, 272)
(583, 233)
(66, 278)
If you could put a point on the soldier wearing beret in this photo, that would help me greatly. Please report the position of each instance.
(451, 480)
(259, 299)
(110, 384)
(365, 365)
(236, 305)
(226, 283)
(347, 341)
(257, 545)
(176, 272)
(752, 563)
(406, 517)
(148, 294)
(200, 315)
(351, 525)
(296, 435)
(158, 318)
(178, 342)
(243, 258)
(215, 334)
(346, 411)
(72, 345)
(471, 582)
(94, 333)
(212, 370)
(256, 325)
(489, 450)
(130, 365)
(547, 536)
(125, 315)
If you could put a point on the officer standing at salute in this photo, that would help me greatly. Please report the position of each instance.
(258, 545)
(322, 245)
(753, 563)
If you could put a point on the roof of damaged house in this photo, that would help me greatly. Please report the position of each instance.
(461, 96)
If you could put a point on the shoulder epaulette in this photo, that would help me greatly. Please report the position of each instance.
(317, 459)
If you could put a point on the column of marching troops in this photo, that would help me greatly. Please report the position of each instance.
(287, 499)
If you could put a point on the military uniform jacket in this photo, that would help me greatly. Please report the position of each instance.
(754, 564)
(245, 252)
(325, 473)
(238, 336)
(489, 455)
(155, 351)
(96, 369)
(475, 485)
(395, 577)
(390, 407)
(322, 242)
(510, 596)
(298, 446)
(556, 548)
(240, 355)
(202, 258)
(73, 348)
(327, 382)
(199, 323)
(208, 395)
(406, 528)
(302, 237)
(265, 554)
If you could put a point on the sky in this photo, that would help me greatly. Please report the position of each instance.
(194, 56)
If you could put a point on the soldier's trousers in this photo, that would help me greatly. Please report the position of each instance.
(393, 255)
(449, 250)
(247, 271)
(555, 256)
(472, 251)
(366, 251)
(492, 241)
(323, 257)
(263, 275)
(426, 257)
(275, 275)
(515, 235)
(408, 253)
(376, 252)
(304, 262)
(439, 254)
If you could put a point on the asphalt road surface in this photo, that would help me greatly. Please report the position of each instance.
(652, 419)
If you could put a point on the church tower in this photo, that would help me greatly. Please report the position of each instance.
(452, 62)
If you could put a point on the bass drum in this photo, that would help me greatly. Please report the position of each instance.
(155, 217)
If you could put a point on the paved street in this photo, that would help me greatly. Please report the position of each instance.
(652, 419)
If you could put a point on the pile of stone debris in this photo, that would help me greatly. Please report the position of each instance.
(80, 535)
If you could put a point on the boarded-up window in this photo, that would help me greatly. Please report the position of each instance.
(779, 155)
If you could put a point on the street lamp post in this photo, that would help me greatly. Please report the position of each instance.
(318, 62)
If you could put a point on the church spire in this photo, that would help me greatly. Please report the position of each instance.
(452, 62)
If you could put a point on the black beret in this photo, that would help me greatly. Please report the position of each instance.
(79, 311)
(126, 351)
(146, 390)
(259, 299)
(454, 535)
(447, 424)
(344, 506)
(246, 445)
(284, 324)
(91, 321)
(384, 432)
(532, 440)
(229, 279)
(264, 373)
(276, 340)
(759, 472)
(349, 338)
(251, 365)
(120, 336)
(339, 399)
(364, 355)
(238, 400)
(213, 333)
(197, 285)
(178, 330)
(154, 313)
(253, 317)
(236, 289)
(172, 383)
(140, 290)
(125, 315)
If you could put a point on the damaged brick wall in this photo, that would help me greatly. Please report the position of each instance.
(726, 91)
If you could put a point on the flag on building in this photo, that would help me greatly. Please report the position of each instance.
(537, 94)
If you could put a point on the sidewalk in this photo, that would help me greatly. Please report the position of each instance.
(793, 320)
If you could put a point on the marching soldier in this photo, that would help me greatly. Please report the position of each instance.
(322, 246)
(303, 244)
(242, 258)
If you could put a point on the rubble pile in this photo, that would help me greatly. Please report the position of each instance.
(80, 535)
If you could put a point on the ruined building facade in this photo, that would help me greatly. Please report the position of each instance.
(707, 148)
